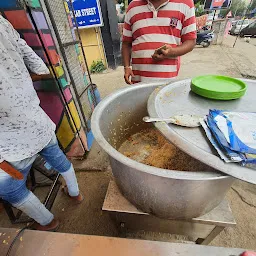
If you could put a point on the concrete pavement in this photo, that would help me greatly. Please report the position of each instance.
(243, 55)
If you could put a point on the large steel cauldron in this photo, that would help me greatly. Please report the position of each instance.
(164, 193)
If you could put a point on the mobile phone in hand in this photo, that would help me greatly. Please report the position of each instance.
(159, 50)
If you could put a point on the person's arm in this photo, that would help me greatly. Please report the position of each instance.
(126, 55)
(127, 49)
(188, 37)
(33, 62)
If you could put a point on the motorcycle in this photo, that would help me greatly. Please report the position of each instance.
(204, 38)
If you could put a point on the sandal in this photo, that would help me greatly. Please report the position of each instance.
(52, 226)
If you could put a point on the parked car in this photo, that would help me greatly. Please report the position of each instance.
(238, 26)
(249, 30)
(233, 23)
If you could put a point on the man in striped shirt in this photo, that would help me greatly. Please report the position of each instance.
(149, 25)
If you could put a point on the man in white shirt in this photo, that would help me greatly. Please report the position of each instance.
(25, 129)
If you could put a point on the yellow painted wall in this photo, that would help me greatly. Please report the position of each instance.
(89, 40)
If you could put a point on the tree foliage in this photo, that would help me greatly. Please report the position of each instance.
(199, 10)
(201, 2)
(97, 67)
(253, 5)
(238, 8)
(224, 12)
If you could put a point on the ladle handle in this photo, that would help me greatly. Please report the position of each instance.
(155, 119)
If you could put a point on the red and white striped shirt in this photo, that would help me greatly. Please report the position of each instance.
(148, 28)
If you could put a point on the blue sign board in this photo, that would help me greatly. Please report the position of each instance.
(88, 13)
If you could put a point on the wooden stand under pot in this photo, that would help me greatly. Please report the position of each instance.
(201, 230)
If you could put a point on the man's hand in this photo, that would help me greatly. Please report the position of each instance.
(168, 52)
(172, 52)
(128, 74)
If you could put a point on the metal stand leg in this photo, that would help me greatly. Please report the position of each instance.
(9, 211)
(120, 224)
(33, 179)
(49, 200)
(210, 237)
(122, 230)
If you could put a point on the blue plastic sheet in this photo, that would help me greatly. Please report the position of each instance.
(233, 134)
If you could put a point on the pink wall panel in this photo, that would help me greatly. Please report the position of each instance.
(47, 39)
(67, 94)
(32, 39)
(52, 105)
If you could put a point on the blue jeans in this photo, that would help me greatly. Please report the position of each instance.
(15, 191)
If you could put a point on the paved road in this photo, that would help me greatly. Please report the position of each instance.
(229, 41)
(243, 55)
(253, 41)
(232, 39)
